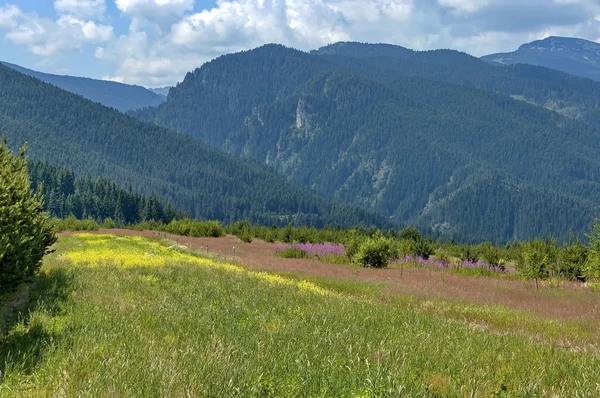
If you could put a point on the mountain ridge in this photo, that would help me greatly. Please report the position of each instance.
(123, 97)
(570, 55)
(68, 130)
(391, 142)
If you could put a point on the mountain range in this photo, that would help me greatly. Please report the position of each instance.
(437, 139)
(123, 97)
(348, 133)
(571, 55)
(68, 130)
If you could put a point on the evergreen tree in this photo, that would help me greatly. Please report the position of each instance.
(25, 230)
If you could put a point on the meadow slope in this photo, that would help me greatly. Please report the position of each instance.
(130, 316)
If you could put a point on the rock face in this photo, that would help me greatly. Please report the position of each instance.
(575, 56)
(300, 115)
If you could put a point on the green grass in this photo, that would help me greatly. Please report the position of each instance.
(115, 328)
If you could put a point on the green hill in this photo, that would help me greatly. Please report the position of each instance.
(467, 162)
(70, 131)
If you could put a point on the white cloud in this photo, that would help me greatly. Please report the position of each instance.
(46, 38)
(9, 16)
(80, 8)
(161, 12)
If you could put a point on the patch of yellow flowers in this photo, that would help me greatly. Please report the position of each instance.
(133, 251)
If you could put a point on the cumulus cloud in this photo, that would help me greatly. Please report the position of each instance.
(161, 12)
(46, 37)
(80, 8)
(9, 16)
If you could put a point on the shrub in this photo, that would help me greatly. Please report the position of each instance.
(71, 223)
(291, 252)
(422, 247)
(246, 237)
(352, 244)
(375, 252)
(592, 265)
(573, 259)
(108, 223)
(491, 254)
(198, 229)
(26, 232)
(410, 233)
(537, 257)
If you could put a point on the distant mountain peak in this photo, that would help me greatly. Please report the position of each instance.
(567, 54)
(556, 43)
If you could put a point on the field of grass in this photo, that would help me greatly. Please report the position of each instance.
(126, 316)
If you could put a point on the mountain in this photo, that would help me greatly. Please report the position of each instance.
(575, 56)
(570, 95)
(70, 131)
(162, 91)
(368, 128)
(123, 97)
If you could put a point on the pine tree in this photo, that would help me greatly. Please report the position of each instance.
(25, 230)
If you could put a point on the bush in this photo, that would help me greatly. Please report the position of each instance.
(573, 259)
(198, 229)
(537, 258)
(292, 252)
(375, 252)
(245, 237)
(422, 247)
(26, 232)
(592, 265)
(71, 223)
(353, 242)
(108, 223)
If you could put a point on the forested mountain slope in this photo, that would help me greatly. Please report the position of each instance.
(570, 95)
(466, 162)
(123, 97)
(68, 130)
(571, 55)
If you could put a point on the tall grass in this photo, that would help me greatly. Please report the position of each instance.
(130, 317)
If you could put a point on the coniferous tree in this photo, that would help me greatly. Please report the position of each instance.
(25, 230)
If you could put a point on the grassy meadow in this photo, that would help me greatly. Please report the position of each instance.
(131, 317)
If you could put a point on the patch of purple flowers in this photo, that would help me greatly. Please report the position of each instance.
(316, 250)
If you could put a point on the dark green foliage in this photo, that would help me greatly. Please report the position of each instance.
(370, 125)
(204, 182)
(422, 247)
(375, 252)
(121, 96)
(99, 199)
(572, 261)
(26, 232)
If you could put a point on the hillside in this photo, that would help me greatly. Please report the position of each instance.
(572, 96)
(469, 163)
(123, 97)
(71, 131)
(575, 56)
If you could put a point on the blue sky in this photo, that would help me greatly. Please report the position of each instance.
(155, 42)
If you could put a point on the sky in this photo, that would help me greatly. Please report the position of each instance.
(154, 43)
